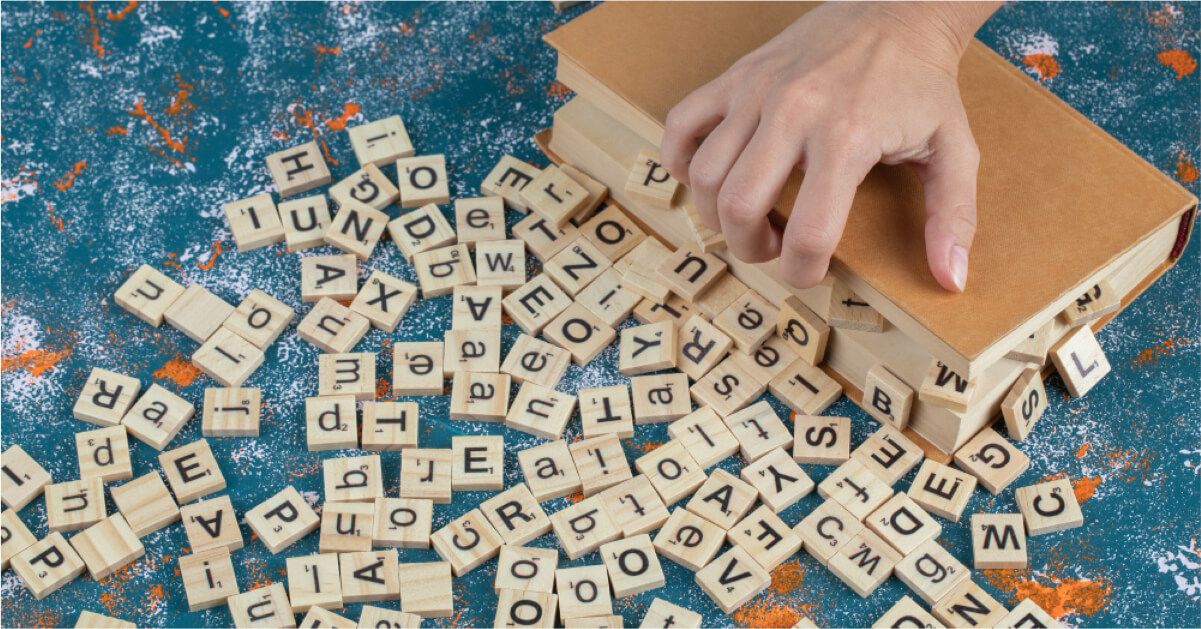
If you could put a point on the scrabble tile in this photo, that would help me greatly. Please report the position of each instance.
(372, 575)
(606, 621)
(266, 606)
(690, 272)
(476, 308)
(476, 350)
(765, 537)
(664, 615)
(647, 348)
(380, 141)
(889, 454)
(720, 296)
(968, 605)
(254, 222)
(633, 565)
(353, 479)
(778, 479)
(992, 459)
(384, 300)
(805, 333)
(197, 313)
(330, 423)
(304, 221)
(440, 270)
(606, 410)
(535, 304)
(600, 462)
(422, 180)
(673, 309)
(390, 425)
(701, 347)
(535, 361)
(515, 608)
(356, 229)
(107, 546)
(417, 368)
(749, 321)
(403, 522)
(943, 387)
(728, 387)
(500, 263)
(1034, 348)
(576, 266)
(528, 569)
(147, 294)
(733, 579)
(580, 332)
(723, 499)
(607, 298)
(425, 589)
(998, 541)
(549, 470)
(639, 270)
(516, 515)
(211, 523)
(672, 471)
(634, 506)
(260, 318)
(583, 591)
(333, 276)
(650, 183)
(479, 396)
(192, 471)
(819, 440)
(17, 537)
(689, 540)
(612, 232)
(423, 229)
(554, 196)
(758, 430)
(856, 488)
(92, 620)
(47, 565)
(827, 529)
(864, 563)
(906, 613)
(479, 462)
(103, 454)
(226, 358)
(903, 524)
(321, 617)
(282, 519)
(540, 411)
(597, 192)
(105, 398)
(1028, 614)
(1095, 303)
(314, 581)
(208, 578)
(1049, 507)
(583, 526)
(1025, 403)
(705, 436)
(542, 237)
(367, 186)
(507, 179)
(1080, 360)
(298, 169)
(346, 374)
(941, 489)
(890, 399)
(848, 311)
(467, 542)
(660, 398)
(479, 220)
(333, 327)
(426, 473)
(806, 389)
(146, 504)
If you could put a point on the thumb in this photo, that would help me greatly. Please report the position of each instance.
(949, 181)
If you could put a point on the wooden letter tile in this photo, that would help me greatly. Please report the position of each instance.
(576, 266)
(1023, 406)
(864, 563)
(540, 411)
(660, 398)
(1028, 614)
(500, 263)
(673, 309)
(330, 423)
(384, 300)
(536, 361)
(476, 308)
(372, 575)
(728, 387)
(705, 436)
(333, 276)
(356, 229)
(298, 169)
(998, 541)
(749, 321)
(314, 581)
(254, 222)
(543, 238)
(380, 142)
(147, 294)
(906, 613)
(726, 289)
(650, 183)
(479, 220)
(580, 332)
(942, 490)
(353, 479)
(672, 471)
(758, 430)
(582, 527)
(664, 615)
(1095, 303)
(321, 617)
(92, 620)
(1033, 349)
(467, 542)
(805, 332)
(426, 589)
(192, 471)
(943, 387)
(515, 608)
(600, 462)
(266, 606)
(848, 311)
(647, 348)
(346, 374)
(690, 272)
(75, 505)
(1080, 360)
(827, 529)
(968, 605)
(634, 506)
(689, 540)
(421, 230)
(639, 270)
(260, 318)
(701, 347)
(226, 358)
(733, 579)
(903, 524)
(516, 515)
(608, 298)
(107, 546)
(475, 350)
(554, 196)
(403, 522)
(1049, 507)
(282, 519)
(889, 399)
(211, 523)
(479, 462)
(507, 179)
(103, 453)
(723, 499)
(583, 591)
(633, 565)
(197, 313)
(426, 473)
(440, 270)
(47, 565)
(16, 536)
(992, 459)
(146, 504)
(821, 440)
(389, 425)
(856, 488)
(549, 470)
(765, 537)
(528, 569)
(305, 221)
(778, 479)
(367, 186)
(105, 398)
(422, 180)
(535, 304)
(606, 410)
(208, 578)
(417, 368)
(333, 327)
(479, 396)
(804, 388)
(889, 454)
(613, 233)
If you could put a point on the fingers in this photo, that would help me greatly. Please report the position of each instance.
(819, 216)
(687, 125)
(750, 190)
(949, 180)
(714, 159)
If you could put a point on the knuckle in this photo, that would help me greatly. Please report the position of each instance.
(704, 175)
(735, 207)
(810, 242)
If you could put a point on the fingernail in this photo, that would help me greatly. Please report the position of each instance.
(959, 267)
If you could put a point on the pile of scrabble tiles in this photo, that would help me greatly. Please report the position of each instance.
(698, 342)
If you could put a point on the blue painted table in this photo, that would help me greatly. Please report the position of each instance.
(126, 126)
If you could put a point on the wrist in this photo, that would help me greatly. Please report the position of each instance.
(941, 30)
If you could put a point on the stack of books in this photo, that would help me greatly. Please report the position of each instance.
(1064, 209)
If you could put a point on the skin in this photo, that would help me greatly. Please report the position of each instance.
(845, 87)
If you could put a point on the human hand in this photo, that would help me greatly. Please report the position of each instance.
(846, 86)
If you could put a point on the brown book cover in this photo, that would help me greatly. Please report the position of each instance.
(1059, 199)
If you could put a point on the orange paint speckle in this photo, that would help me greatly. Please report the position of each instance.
(1178, 60)
(179, 102)
(788, 577)
(1058, 596)
(1153, 354)
(117, 16)
(118, 130)
(328, 50)
(94, 29)
(1044, 64)
(558, 90)
(349, 110)
(29, 42)
(765, 614)
(212, 259)
(179, 370)
(304, 118)
(139, 111)
(1085, 487)
(1186, 171)
(1082, 450)
(35, 361)
(68, 179)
